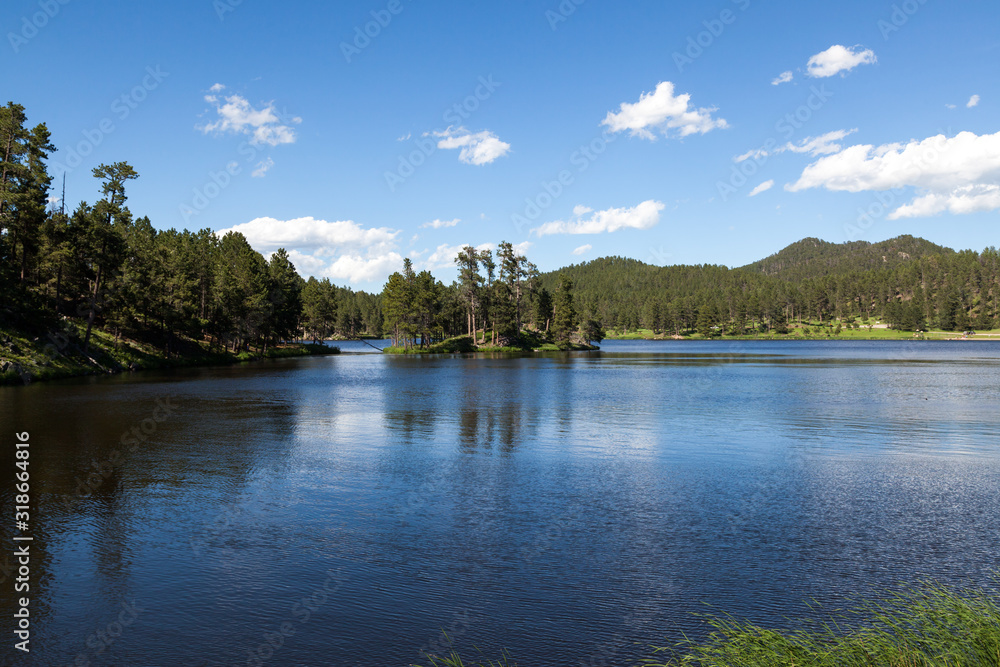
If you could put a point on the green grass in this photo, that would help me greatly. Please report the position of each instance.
(927, 625)
(817, 331)
(527, 342)
(456, 345)
(55, 351)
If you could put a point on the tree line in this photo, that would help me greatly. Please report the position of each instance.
(101, 264)
(952, 291)
(494, 299)
(110, 269)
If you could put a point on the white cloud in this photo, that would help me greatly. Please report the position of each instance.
(478, 148)
(960, 174)
(950, 106)
(642, 216)
(444, 255)
(763, 187)
(521, 248)
(355, 268)
(237, 116)
(837, 59)
(582, 249)
(824, 144)
(262, 168)
(754, 153)
(217, 88)
(341, 250)
(405, 137)
(305, 264)
(965, 199)
(440, 224)
(784, 77)
(821, 145)
(973, 101)
(662, 110)
(269, 234)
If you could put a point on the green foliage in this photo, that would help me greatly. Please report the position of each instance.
(812, 258)
(564, 317)
(917, 283)
(922, 626)
(928, 625)
(592, 332)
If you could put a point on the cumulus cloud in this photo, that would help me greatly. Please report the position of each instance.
(824, 144)
(784, 77)
(837, 59)
(477, 148)
(960, 174)
(440, 224)
(269, 234)
(665, 112)
(642, 216)
(357, 268)
(973, 101)
(340, 250)
(763, 187)
(262, 168)
(237, 116)
(444, 255)
(582, 249)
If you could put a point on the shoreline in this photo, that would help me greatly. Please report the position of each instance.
(26, 358)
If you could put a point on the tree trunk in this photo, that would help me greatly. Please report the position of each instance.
(93, 311)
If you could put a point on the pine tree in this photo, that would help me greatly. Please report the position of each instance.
(543, 310)
(470, 282)
(564, 318)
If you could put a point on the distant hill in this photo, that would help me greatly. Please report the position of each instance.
(813, 258)
(908, 281)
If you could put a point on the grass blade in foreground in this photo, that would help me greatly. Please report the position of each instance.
(926, 625)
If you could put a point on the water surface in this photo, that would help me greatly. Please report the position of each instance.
(571, 508)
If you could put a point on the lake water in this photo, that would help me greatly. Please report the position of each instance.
(571, 508)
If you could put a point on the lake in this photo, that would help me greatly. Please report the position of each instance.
(571, 508)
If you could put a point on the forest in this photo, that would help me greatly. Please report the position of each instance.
(108, 269)
(104, 266)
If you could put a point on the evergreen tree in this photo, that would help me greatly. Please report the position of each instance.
(543, 310)
(470, 282)
(564, 318)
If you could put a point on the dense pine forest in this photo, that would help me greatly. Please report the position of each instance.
(102, 268)
(908, 283)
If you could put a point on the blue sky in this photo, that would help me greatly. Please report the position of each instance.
(675, 133)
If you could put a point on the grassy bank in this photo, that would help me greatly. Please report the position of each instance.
(814, 331)
(56, 352)
(924, 626)
(528, 341)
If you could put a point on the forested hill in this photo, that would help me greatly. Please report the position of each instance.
(814, 258)
(907, 281)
